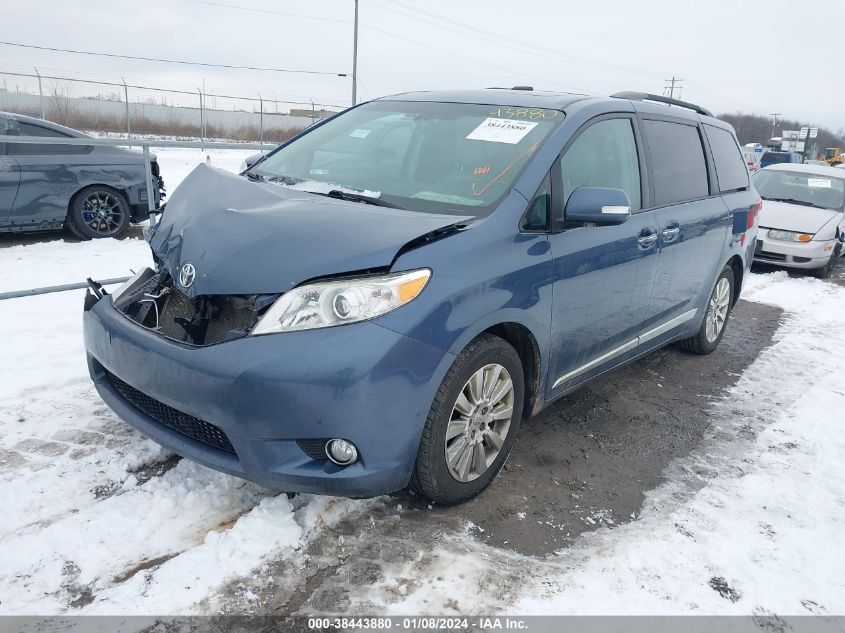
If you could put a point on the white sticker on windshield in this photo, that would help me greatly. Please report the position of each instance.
(359, 133)
(822, 183)
(501, 131)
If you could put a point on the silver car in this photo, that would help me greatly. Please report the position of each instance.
(802, 224)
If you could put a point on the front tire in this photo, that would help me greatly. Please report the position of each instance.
(472, 423)
(716, 316)
(825, 271)
(97, 212)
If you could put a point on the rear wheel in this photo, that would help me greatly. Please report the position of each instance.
(98, 212)
(472, 423)
(715, 317)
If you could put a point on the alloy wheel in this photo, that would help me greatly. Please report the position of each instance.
(479, 423)
(103, 212)
(717, 309)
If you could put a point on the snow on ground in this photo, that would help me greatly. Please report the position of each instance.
(176, 162)
(749, 524)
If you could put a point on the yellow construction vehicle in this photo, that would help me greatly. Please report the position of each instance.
(834, 156)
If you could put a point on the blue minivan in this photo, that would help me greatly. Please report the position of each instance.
(382, 300)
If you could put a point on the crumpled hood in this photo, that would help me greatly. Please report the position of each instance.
(247, 237)
(794, 217)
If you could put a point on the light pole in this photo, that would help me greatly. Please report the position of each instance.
(355, 58)
(775, 116)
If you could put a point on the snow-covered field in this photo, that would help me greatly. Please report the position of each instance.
(97, 519)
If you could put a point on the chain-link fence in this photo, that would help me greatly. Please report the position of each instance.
(129, 109)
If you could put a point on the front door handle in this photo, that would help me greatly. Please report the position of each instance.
(670, 233)
(647, 240)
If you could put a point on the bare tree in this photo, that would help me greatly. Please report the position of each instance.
(61, 106)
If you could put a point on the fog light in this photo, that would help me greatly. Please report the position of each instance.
(341, 452)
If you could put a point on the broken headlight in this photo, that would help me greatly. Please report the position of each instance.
(324, 304)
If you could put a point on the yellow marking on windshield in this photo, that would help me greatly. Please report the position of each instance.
(527, 152)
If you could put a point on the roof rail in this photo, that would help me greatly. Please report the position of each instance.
(644, 96)
(529, 88)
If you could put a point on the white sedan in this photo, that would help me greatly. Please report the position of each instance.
(802, 224)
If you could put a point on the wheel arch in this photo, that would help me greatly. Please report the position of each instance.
(738, 269)
(523, 340)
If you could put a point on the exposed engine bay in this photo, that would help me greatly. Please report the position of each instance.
(153, 300)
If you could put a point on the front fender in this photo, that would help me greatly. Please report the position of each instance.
(485, 275)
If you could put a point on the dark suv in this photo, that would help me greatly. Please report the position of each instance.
(95, 191)
(383, 298)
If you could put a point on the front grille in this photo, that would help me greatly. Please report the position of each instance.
(315, 449)
(183, 423)
(775, 256)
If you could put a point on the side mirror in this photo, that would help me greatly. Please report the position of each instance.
(597, 205)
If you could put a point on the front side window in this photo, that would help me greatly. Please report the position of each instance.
(801, 188)
(677, 162)
(730, 165)
(604, 155)
(433, 157)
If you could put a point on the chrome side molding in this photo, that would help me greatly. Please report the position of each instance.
(627, 347)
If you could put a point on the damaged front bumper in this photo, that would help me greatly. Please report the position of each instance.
(262, 407)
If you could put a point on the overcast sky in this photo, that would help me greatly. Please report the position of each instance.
(734, 55)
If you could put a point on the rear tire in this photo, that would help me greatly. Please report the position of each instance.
(716, 316)
(472, 422)
(97, 212)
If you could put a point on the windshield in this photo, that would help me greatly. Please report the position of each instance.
(434, 157)
(812, 190)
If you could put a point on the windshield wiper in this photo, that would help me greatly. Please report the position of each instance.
(803, 203)
(255, 177)
(359, 197)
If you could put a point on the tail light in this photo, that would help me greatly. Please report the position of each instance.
(754, 214)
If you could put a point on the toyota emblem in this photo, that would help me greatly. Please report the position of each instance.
(187, 275)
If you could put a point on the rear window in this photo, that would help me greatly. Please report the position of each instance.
(774, 158)
(677, 162)
(730, 165)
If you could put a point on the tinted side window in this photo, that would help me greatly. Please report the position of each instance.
(677, 162)
(26, 129)
(730, 166)
(605, 155)
(19, 128)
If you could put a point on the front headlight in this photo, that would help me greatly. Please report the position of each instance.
(324, 304)
(789, 236)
